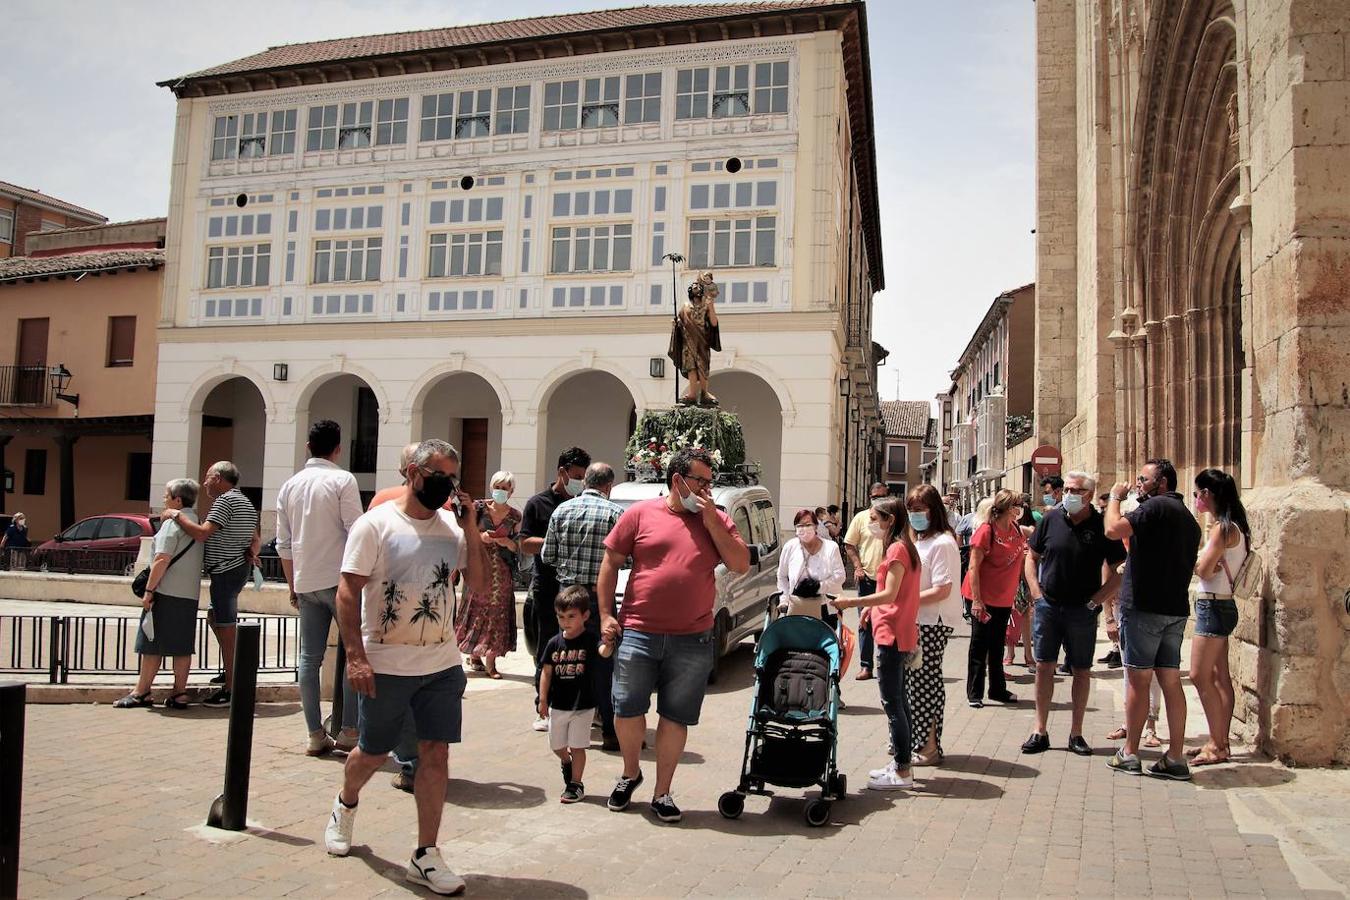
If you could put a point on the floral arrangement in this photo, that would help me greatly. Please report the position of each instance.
(660, 435)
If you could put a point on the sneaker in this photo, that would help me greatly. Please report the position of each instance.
(573, 793)
(337, 837)
(976, 704)
(319, 743)
(1167, 767)
(1130, 765)
(540, 724)
(566, 772)
(665, 809)
(1113, 660)
(402, 781)
(1106, 657)
(889, 779)
(1037, 743)
(346, 740)
(1079, 746)
(219, 698)
(219, 679)
(877, 773)
(430, 869)
(622, 794)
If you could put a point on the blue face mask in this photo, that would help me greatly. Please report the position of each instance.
(918, 521)
(575, 486)
(499, 496)
(1073, 504)
(1047, 500)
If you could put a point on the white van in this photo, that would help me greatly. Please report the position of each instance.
(741, 600)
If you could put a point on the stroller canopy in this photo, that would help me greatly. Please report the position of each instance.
(798, 633)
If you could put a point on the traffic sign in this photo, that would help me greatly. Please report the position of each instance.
(1045, 460)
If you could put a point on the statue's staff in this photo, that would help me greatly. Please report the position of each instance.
(675, 259)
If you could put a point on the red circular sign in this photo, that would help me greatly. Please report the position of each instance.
(1045, 460)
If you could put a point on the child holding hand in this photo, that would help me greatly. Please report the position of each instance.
(566, 694)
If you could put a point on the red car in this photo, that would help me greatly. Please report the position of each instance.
(82, 544)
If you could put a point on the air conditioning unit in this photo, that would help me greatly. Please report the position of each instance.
(992, 425)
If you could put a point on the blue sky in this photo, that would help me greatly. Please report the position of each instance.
(954, 108)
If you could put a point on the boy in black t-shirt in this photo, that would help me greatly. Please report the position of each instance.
(566, 695)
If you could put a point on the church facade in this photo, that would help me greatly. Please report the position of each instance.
(1193, 299)
(464, 234)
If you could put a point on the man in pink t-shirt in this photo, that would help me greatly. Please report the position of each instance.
(676, 543)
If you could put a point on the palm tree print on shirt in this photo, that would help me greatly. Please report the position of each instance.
(412, 600)
(393, 597)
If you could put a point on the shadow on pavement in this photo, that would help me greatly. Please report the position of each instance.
(279, 837)
(736, 671)
(983, 765)
(493, 794)
(477, 885)
(947, 788)
(198, 711)
(1229, 776)
(785, 814)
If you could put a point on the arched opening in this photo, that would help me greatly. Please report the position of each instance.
(463, 408)
(752, 399)
(348, 400)
(593, 410)
(232, 427)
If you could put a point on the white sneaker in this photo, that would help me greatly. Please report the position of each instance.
(887, 769)
(540, 724)
(347, 739)
(432, 871)
(890, 780)
(338, 835)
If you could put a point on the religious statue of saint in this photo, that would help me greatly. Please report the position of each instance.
(693, 336)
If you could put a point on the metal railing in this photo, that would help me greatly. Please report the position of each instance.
(61, 646)
(70, 561)
(25, 386)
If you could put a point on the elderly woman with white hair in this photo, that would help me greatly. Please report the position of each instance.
(485, 626)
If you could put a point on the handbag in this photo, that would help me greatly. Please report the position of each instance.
(1249, 578)
(142, 579)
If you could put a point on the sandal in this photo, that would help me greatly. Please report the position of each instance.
(477, 665)
(1193, 752)
(493, 673)
(1117, 735)
(134, 701)
(1150, 740)
(175, 702)
(1209, 757)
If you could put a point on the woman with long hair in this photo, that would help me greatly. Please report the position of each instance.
(895, 609)
(939, 611)
(1216, 612)
(996, 552)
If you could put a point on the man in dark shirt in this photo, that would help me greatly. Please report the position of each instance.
(1070, 570)
(1164, 540)
(568, 483)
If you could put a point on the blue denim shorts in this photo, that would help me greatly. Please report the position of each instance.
(1151, 640)
(225, 589)
(1072, 627)
(1215, 618)
(435, 702)
(675, 666)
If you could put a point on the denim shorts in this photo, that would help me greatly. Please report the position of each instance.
(1072, 627)
(1151, 640)
(676, 666)
(1215, 618)
(435, 702)
(225, 589)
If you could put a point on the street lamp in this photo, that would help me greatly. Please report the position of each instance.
(60, 377)
(675, 259)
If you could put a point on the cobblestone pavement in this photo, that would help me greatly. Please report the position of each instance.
(114, 802)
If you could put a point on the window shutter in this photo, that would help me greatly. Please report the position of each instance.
(121, 340)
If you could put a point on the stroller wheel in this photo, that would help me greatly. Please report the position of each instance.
(731, 805)
(817, 813)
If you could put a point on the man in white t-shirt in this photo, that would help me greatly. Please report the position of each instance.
(396, 593)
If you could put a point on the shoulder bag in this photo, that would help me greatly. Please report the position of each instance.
(142, 579)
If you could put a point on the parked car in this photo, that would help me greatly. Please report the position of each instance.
(115, 532)
(738, 610)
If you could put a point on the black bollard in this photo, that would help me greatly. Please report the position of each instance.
(339, 689)
(229, 810)
(12, 698)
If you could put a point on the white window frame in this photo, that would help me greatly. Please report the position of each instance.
(642, 98)
(282, 135)
(438, 121)
(771, 87)
(6, 226)
(602, 102)
(227, 265)
(323, 134)
(465, 254)
(473, 113)
(224, 138)
(356, 128)
(721, 92)
(512, 113)
(731, 99)
(345, 250)
(565, 112)
(761, 232)
(573, 240)
(391, 122)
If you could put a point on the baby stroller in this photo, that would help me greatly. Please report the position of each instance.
(793, 729)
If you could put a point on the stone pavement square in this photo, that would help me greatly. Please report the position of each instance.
(114, 802)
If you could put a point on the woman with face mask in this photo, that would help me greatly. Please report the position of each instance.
(939, 611)
(808, 555)
(486, 626)
(1216, 615)
(996, 552)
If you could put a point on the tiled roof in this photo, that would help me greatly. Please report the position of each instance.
(377, 45)
(906, 419)
(17, 268)
(23, 193)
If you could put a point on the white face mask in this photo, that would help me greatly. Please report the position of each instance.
(499, 496)
(806, 532)
(874, 529)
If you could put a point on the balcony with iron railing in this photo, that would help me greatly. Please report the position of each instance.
(26, 386)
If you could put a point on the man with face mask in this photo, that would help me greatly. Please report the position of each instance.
(864, 554)
(1164, 541)
(396, 606)
(1070, 570)
(569, 482)
(1052, 492)
(676, 543)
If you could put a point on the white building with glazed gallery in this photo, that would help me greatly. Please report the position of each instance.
(460, 234)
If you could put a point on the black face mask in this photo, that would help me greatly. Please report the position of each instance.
(435, 490)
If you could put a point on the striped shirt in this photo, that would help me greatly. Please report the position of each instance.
(236, 522)
(575, 542)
